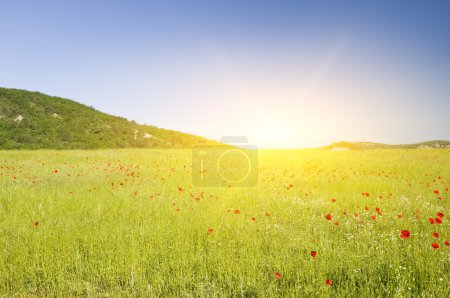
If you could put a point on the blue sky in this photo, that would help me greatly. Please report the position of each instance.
(282, 73)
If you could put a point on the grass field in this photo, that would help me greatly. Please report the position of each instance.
(128, 222)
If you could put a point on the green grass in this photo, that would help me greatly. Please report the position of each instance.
(96, 237)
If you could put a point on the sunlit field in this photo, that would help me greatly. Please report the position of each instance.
(319, 223)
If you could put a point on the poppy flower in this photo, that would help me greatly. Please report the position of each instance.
(328, 216)
(313, 253)
(277, 275)
(405, 234)
(329, 282)
(447, 243)
(435, 245)
(436, 192)
(399, 216)
(440, 214)
(336, 223)
(436, 235)
(333, 200)
(373, 217)
(210, 230)
(438, 220)
(237, 211)
(431, 221)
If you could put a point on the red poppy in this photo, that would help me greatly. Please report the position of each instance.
(277, 275)
(336, 223)
(210, 230)
(373, 217)
(328, 216)
(447, 243)
(440, 214)
(431, 221)
(237, 211)
(313, 253)
(436, 192)
(438, 220)
(435, 245)
(405, 234)
(333, 200)
(329, 282)
(436, 235)
(399, 216)
(367, 208)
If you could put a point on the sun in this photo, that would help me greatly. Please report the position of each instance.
(275, 136)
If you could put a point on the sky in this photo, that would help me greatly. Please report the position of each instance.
(285, 74)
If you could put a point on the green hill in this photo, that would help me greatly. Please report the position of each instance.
(437, 144)
(32, 120)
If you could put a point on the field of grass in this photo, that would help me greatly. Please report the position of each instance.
(128, 222)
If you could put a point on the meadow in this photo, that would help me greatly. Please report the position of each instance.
(320, 223)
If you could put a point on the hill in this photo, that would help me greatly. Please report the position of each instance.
(32, 120)
(438, 144)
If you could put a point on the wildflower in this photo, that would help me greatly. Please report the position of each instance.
(405, 234)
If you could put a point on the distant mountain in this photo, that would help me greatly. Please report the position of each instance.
(32, 120)
(438, 144)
